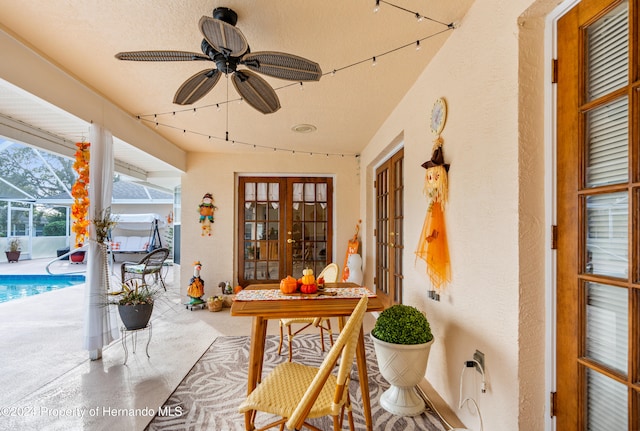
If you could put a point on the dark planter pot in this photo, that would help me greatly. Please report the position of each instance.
(135, 316)
(77, 257)
(12, 256)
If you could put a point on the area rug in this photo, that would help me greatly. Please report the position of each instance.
(209, 395)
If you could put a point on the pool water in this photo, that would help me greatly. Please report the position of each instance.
(21, 286)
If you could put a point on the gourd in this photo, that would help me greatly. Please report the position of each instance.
(307, 276)
(308, 288)
(288, 285)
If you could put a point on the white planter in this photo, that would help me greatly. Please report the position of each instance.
(403, 366)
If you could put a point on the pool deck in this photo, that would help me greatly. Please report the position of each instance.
(45, 370)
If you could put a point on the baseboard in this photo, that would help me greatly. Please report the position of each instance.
(438, 405)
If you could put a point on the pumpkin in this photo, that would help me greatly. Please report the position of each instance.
(237, 289)
(307, 276)
(308, 288)
(288, 285)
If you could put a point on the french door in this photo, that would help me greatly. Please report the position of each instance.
(598, 241)
(389, 231)
(285, 226)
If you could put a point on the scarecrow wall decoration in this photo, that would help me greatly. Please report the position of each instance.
(206, 209)
(433, 247)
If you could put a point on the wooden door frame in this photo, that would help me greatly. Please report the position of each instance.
(283, 247)
(388, 300)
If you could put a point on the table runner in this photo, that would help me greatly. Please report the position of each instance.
(277, 295)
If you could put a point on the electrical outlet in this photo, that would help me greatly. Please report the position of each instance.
(479, 356)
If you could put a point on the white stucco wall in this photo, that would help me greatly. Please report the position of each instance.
(217, 173)
(490, 73)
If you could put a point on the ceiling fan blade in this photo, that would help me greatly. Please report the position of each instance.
(256, 91)
(282, 65)
(160, 56)
(196, 87)
(223, 37)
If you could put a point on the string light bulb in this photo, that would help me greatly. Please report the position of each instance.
(417, 45)
(419, 17)
(377, 7)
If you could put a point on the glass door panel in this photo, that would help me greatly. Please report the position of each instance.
(607, 321)
(310, 226)
(607, 242)
(607, 147)
(607, 402)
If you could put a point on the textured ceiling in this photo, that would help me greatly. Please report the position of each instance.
(82, 36)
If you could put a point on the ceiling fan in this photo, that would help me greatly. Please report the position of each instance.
(226, 46)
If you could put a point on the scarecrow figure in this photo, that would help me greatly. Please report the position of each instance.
(206, 209)
(196, 285)
(432, 247)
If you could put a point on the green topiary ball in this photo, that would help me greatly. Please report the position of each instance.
(402, 324)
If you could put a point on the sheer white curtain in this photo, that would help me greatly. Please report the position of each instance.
(101, 322)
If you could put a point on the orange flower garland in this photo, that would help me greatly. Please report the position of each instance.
(80, 193)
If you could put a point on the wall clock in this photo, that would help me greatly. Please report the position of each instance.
(438, 116)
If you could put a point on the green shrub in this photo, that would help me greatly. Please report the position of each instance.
(402, 324)
(55, 228)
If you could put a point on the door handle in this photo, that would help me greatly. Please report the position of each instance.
(290, 241)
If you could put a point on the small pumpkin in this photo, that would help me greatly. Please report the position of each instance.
(309, 288)
(237, 289)
(288, 285)
(307, 276)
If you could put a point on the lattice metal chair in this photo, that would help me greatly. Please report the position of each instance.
(150, 264)
(297, 392)
(330, 274)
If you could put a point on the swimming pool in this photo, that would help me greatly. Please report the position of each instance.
(20, 286)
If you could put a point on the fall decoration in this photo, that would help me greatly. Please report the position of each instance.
(80, 193)
(432, 246)
(288, 285)
(196, 285)
(104, 224)
(206, 210)
(309, 288)
(308, 277)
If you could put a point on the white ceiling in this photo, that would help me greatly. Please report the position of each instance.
(82, 36)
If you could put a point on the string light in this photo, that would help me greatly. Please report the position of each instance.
(419, 17)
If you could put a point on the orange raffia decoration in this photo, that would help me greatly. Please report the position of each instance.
(80, 193)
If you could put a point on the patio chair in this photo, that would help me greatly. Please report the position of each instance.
(150, 264)
(297, 392)
(330, 275)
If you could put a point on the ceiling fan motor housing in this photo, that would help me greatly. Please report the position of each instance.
(225, 14)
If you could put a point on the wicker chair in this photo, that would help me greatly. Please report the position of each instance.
(150, 264)
(297, 392)
(330, 274)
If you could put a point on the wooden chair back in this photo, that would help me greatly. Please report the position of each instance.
(344, 349)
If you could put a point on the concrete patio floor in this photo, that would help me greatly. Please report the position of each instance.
(49, 383)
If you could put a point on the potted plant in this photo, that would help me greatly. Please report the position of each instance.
(13, 249)
(402, 340)
(135, 304)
